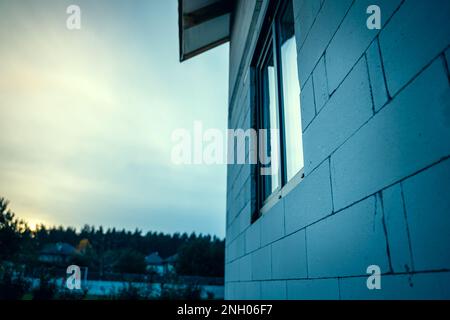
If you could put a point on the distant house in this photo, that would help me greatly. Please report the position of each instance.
(154, 263)
(169, 263)
(57, 253)
(159, 265)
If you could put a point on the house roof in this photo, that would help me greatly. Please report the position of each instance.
(203, 25)
(59, 248)
(153, 259)
(172, 259)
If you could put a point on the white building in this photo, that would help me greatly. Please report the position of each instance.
(364, 119)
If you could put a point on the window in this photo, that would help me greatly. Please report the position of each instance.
(277, 105)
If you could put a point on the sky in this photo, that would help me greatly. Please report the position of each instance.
(86, 117)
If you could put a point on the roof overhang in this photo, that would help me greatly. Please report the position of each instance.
(203, 25)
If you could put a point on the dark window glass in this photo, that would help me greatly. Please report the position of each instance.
(270, 124)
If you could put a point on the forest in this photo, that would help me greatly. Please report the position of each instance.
(111, 250)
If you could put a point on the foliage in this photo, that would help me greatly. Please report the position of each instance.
(13, 284)
(105, 251)
(112, 250)
(71, 295)
(131, 261)
(186, 292)
(201, 256)
(132, 291)
(12, 232)
(47, 287)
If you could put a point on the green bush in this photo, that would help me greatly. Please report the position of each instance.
(179, 292)
(13, 284)
(71, 294)
(47, 288)
(133, 292)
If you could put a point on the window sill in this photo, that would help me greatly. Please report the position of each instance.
(278, 195)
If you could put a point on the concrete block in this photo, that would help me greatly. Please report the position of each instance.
(377, 83)
(352, 39)
(307, 104)
(245, 268)
(232, 271)
(252, 290)
(402, 40)
(345, 112)
(315, 289)
(346, 243)
(321, 33)
(253, 237)
(289, 257)
(320, 84)
(305, 12)
(273, 290)
(272, 224)
(261, 264)
(310, 201)
(397, 229)
(428, 207)
(245, 217)
(398, 287)
(236, 248)
(401, 139)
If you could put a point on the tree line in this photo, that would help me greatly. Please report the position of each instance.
(110, 250)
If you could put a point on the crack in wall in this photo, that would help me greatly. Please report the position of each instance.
(379, 197)
(407, 227)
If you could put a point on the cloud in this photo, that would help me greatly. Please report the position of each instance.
(87, 119)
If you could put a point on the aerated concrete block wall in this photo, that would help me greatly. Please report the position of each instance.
(376, 129)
